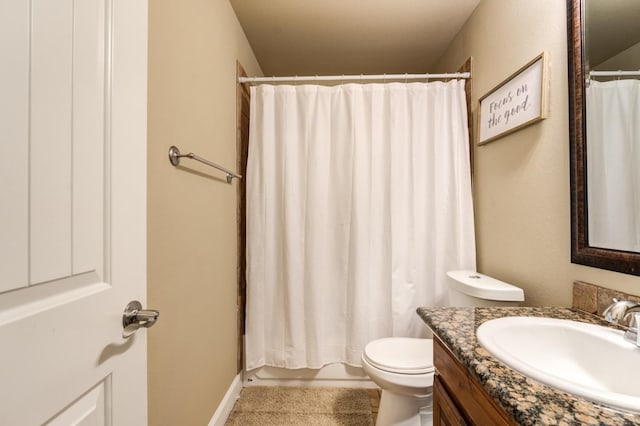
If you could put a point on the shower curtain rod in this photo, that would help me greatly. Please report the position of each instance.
(360, 77)
(613, 73)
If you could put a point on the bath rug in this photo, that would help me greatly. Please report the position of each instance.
(284, 406)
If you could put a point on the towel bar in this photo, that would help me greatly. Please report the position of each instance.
(175, 156)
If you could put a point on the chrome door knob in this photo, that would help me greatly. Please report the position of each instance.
(135, 317)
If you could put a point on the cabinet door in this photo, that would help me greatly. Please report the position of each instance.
(445, 412)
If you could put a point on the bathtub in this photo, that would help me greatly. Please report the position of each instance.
(332, 375)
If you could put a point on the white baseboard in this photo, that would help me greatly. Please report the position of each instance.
(226, 405)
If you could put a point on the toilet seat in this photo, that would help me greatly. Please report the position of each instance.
(401, 355)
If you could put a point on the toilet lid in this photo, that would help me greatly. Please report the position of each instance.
(404, 355)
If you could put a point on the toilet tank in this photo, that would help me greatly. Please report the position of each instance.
(470, 288)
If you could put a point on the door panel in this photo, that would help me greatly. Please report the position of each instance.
(73, 236)
(50, 142)
(88, 158)
(66, 154)
(14, 128)
(88, 410)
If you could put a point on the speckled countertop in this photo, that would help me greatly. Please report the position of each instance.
(527, 401)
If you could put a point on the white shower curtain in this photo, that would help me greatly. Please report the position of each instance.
(358, 202)
(613, 164)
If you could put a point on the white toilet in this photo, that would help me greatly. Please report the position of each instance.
(403, 366)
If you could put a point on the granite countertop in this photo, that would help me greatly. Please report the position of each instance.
(527, 401)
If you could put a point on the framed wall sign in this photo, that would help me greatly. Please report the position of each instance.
(517, 102)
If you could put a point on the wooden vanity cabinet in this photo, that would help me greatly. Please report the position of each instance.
(445, 411)
(458, 398)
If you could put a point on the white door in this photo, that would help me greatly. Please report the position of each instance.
(73, 211)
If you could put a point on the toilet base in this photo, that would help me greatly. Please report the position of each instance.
(404, 410)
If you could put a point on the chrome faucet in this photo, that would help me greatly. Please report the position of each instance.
(625, 312)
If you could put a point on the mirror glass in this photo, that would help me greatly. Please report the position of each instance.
(612, 95)
(604, 107)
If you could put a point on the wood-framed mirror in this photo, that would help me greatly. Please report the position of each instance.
(585, 250)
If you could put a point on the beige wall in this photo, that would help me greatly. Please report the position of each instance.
(193, 47)
(522, 180)
(521, 186)
(628, 59)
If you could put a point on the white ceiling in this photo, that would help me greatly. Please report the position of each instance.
(327, 37)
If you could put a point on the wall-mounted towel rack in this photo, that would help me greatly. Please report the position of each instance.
(175, 156)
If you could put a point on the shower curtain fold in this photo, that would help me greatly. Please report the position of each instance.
(358, 202)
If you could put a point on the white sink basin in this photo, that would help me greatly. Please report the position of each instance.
(583, 359)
